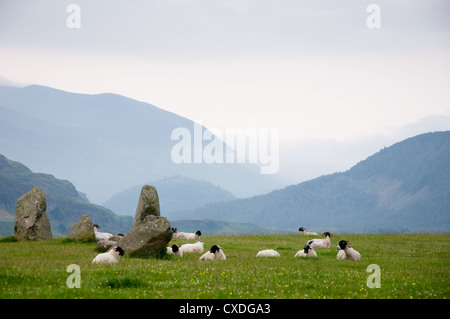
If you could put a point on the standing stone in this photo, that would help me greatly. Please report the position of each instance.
(83, 230)
(147, 238)
(31, 221)
(148, 205)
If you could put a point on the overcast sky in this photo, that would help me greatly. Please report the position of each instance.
(312, 69)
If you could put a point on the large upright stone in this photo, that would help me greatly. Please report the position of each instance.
(148, 205)
(147, 238)
(83, 230)
(31, 221)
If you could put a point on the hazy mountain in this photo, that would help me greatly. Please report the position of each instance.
(64, 204)
(105, 143)
(177, 193)
(404, 187)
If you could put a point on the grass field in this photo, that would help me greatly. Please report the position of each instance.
(411, 266)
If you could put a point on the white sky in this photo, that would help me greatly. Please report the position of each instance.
(312, 69)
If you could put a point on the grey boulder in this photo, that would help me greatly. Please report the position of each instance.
(31, 221)
(149, 237)
(83, 230)
(148, 205)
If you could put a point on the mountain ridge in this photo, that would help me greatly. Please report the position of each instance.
(105, 143)
(409, 193)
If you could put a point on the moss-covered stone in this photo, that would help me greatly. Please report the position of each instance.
(148, 205)
(83, 230)
(32, 222)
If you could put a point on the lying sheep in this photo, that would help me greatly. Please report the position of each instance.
(268, 253)
(183, 235)
(307, 251)
(101, 235)
(320, 243)
(346, 252)
(192, 248)
(175, 250)
(304, 232)
(215, 253)
(110, 257)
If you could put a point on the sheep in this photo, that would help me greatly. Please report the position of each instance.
(268, 253)
(192, 248)
(346, 252)
(215, 253)
(307, 251)
(175, 250)
(101, 235)
(341, 253)
(320, 243)
(302, 230)
(110, 257)
(183, 235)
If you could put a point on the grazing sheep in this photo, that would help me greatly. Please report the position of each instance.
(183, 235)
(175, 250)
(346, 252)
(110, 257)
(304, 232)
(268, 253)
(100, 235)
(192, 248)
(215, 253)
(307, 251)
(320, 243)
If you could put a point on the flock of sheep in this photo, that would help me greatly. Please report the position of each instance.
(345, 252)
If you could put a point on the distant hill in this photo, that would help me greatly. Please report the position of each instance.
(64, 204)
(402, 188)
(106, 143)
(177, 193)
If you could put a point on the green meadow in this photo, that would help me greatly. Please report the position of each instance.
(411, 266)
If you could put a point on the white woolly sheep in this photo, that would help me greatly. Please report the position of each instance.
(320, 243)
(110, 257)
(307, 251)
(215, 253)
(346, 252)
(101, 235)
(192, 248)
(183, 235)
(304, 232)
(175, 250)
(268, 253)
